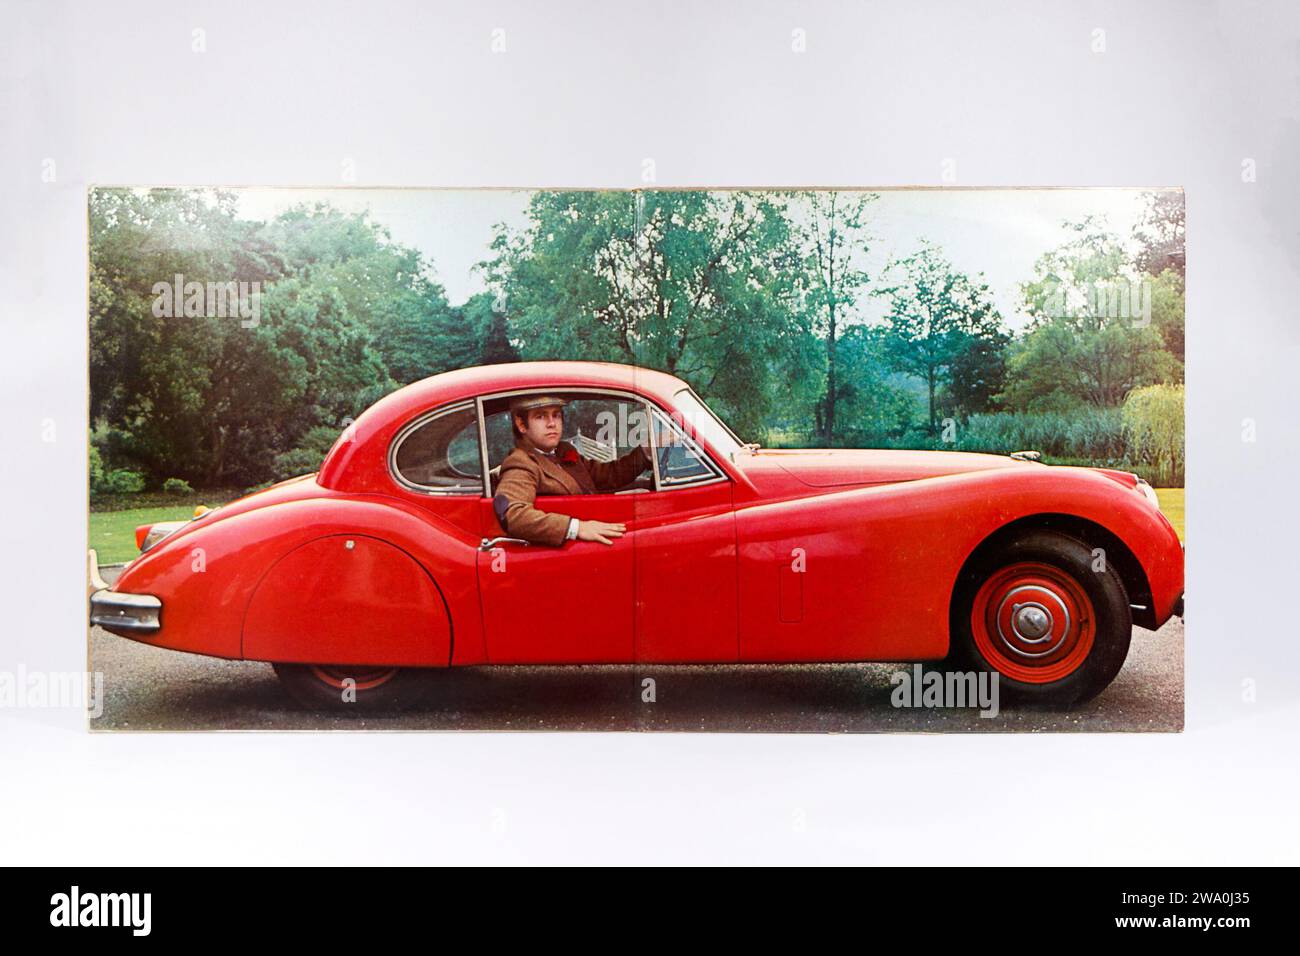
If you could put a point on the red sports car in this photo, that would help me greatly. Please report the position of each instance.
(363, 581)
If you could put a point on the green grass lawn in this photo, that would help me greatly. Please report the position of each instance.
(112, 533)
(1171, 503)
(113, 518)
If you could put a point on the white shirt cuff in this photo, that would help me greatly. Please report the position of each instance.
(572, 533)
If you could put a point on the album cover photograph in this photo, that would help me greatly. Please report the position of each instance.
(816, 459)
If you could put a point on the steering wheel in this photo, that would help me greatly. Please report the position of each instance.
(664, 454)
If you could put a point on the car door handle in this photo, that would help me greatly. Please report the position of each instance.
(487, 544)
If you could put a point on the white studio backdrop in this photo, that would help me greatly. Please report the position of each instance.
(1195, 94)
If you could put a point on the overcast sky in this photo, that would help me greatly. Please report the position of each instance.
(999, 232)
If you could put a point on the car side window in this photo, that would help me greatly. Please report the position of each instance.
(680, 460)
(600, 427)
(439, 453)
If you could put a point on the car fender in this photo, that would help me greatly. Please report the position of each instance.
(207, 575)
(877, 566)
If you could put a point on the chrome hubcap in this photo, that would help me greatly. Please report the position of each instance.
(1031, 622)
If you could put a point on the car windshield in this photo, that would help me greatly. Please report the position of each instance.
(706, 424)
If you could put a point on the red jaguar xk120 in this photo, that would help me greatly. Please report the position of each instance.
(362, 582)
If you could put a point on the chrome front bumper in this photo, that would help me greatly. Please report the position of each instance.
(119, 611)
(126, 613)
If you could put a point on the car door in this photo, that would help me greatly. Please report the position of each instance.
(684, 557)
(572, 603)
(664, 592)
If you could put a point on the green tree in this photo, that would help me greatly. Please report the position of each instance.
(1154, 429)
(215, 399)
(150, 374)
(489, 330)
(978, 373)
(699, 284)
(1168, 317)
(387, 287)
(943, 328)
(1161, 239)
(870, 408)
(1162, 234)
(833, 240)
(565, 279)
(1090, 339)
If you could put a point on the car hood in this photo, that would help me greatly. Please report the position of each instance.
(844, 467)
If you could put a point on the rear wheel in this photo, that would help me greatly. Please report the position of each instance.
(354, 689)
(1045, 613)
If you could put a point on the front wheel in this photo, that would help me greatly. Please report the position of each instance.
(1047, 614)
(354, 689)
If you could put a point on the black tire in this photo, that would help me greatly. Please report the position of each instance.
(1112, 618)
(373, 691)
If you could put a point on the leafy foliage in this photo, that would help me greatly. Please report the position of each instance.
(177, 486)
(122, 481)
(1153, 427)
(1086, 433)
(1091, 340)
(1162, 235)
(832, 239)
(696, 283)
(345, 315)
(311, 451)
(944, 329)
(758, 299)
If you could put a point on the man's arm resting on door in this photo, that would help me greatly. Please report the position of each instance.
(514, 507)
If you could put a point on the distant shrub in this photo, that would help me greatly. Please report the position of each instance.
(108, 473)
(1144, 436)
(1154, 428)
(96, 469)
(309, 454)
(177, 486)
(122, 481)
(1084, 432)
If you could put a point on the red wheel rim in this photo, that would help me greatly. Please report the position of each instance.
(364, 678)
(1033, 623)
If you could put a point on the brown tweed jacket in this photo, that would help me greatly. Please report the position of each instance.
(527, 474)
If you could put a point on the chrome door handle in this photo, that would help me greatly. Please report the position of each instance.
(487, 544)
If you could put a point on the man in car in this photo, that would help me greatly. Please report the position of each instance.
(542, 464)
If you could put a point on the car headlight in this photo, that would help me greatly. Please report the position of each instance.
(1148, 493)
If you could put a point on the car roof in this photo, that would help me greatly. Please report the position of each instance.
(364, 444)
(481, 379)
